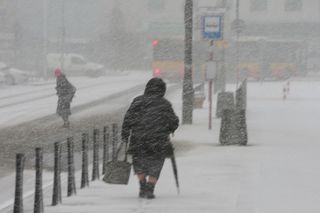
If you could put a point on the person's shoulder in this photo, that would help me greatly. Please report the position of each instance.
(166, 101)
(138, 99)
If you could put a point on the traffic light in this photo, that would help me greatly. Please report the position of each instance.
(156, 72)
(155, 42)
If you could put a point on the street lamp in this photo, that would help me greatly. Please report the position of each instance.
(45, 37)
(63, 32)
(187, 102)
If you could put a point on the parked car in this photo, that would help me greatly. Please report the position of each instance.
(74, 64)
(12, 76)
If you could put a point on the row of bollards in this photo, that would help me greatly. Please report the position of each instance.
(233, 129)
(286, 90)
(71, 183)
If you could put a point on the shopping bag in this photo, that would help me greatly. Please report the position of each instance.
(118, 172)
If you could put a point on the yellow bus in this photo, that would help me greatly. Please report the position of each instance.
(261, 58)
(168, 59)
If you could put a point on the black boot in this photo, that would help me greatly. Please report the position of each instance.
(66, 123)
(149, 191)
(142, 192)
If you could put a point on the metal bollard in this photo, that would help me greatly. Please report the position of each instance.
(114, 141)
(71, 169)
(56, 197)
(38, 194)
(18, 198)
(95, 166)
(106, 137)
(85, 173)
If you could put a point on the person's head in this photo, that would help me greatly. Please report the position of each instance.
(57, 72)
(155, 87)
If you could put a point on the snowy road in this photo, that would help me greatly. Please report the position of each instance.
(28, 102)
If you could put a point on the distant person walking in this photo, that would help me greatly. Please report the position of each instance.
(149, 122)
(65, 92)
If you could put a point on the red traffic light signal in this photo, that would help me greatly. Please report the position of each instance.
(155, 42)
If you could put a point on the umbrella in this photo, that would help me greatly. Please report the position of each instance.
(175, 171)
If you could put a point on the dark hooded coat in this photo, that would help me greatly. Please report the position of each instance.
(150, 120)
(65, 92)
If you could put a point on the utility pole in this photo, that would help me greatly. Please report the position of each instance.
(237, 45)
(17, 36)
(220, 82)
(188, 93)
(63, 34)
(45, 38)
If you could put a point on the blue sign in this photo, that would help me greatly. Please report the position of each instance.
(212, 27)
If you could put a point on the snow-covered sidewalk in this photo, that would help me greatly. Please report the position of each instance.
(277, 172)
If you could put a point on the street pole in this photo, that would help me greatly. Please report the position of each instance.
(17, 35)
(63, 30)
(210, 104)
(210, 85)
(45, 38)
(237, 44)
(187, 108)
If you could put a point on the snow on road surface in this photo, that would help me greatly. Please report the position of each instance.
(23, 103)
(277, 172)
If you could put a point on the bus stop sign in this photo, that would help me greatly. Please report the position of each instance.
(212, 27)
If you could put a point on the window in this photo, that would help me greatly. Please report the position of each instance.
(259, 5)
(293, 5)
(77, 60)
(156, 5)
(222, 4)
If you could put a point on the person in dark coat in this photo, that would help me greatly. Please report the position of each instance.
(149, 122)
(65, 92)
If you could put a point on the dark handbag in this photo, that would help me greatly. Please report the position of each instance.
(118, 172)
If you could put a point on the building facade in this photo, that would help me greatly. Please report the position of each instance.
(27, 25)
(287, 20)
